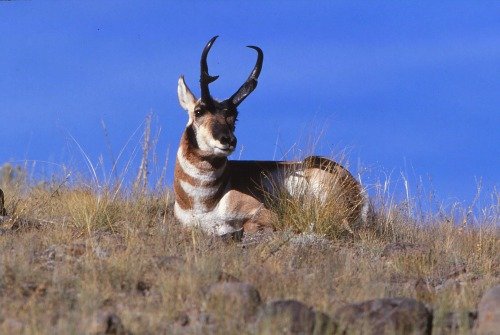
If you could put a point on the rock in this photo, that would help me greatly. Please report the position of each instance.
(385, 316)
(292, 317)
(488, 321)
(234, 299)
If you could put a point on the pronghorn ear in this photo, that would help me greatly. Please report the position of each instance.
(186, 97)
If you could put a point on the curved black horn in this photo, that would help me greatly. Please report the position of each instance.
(251, 82)
(205, 78)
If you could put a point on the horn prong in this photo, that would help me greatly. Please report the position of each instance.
(205, 78)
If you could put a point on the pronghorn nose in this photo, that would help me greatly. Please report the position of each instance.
(227, 140)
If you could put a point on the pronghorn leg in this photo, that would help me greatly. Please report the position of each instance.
(248, 211)
(262, 220)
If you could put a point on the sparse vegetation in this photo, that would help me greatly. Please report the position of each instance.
(70, 253)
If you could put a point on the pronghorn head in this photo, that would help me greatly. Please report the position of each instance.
(211, 123)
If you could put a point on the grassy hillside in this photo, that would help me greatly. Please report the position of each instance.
(71, 252)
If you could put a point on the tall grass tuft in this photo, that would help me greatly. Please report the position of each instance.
(334, 213)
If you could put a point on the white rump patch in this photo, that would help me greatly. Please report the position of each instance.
(298, 186)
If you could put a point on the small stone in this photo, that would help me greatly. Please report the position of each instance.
(488, 321)
(239, 300)
(385, 316)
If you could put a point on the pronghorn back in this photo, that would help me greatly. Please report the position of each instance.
(223, 196)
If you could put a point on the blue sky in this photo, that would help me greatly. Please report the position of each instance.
(404, 86)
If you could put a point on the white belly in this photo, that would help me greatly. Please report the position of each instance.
(211, 222)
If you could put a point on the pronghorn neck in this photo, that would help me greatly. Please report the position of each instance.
(199, 179)
(203, 162)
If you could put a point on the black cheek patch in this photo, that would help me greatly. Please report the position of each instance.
(217, 128)
(191, 134)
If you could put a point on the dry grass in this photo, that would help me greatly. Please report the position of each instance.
(70, 250)
(335, 213)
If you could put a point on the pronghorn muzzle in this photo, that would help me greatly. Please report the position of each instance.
(245, 89)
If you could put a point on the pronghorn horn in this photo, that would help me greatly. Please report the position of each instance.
(251, 82)
(205, 78)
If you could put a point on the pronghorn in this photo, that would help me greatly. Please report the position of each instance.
(226, 197)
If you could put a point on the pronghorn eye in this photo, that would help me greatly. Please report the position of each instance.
(199, 112)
